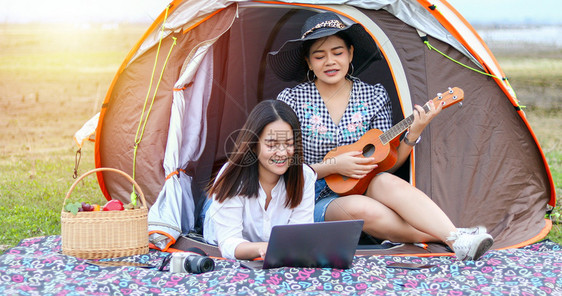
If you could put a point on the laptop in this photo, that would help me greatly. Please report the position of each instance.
(324, 244)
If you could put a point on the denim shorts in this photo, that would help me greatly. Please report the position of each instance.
(206, 206)
(324, 196)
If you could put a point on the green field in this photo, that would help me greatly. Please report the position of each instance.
(53, 79)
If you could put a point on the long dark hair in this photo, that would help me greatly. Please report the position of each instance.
(240, 177)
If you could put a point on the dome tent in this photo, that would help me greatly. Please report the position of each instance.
(480, 163)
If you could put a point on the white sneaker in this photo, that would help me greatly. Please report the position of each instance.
(470, 246)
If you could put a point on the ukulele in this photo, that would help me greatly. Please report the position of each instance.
(381, 146)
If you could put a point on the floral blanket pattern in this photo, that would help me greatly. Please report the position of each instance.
(37, 267)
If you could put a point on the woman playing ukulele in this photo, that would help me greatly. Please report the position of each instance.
(336, 109)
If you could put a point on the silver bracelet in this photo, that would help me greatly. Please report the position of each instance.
(407, 142)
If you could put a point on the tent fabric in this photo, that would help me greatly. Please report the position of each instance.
(122, 113)
(174, 210)
(410, 12)
(470, 158)
(184, 146)
(181, 15)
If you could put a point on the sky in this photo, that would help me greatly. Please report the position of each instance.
(510, 11)
(80, 11)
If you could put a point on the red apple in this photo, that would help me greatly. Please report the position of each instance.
(113, 205)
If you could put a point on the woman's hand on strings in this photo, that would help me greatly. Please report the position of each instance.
(422, 118)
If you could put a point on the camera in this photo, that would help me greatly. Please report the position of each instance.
(189, 262)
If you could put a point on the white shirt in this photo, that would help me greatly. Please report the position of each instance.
(241, 219)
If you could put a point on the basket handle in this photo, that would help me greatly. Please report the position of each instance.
(109, 170)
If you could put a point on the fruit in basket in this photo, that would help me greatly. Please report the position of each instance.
(86, 207)
(75, 207)
(113, 205)
(96, 207)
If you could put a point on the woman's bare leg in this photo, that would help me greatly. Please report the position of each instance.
(412, 205)
(397, 211)
(380, 221)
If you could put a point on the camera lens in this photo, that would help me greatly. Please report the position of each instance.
(198, 264)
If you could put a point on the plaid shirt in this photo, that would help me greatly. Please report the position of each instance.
(369, 107)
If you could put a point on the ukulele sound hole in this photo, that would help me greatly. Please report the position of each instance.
(368, 150)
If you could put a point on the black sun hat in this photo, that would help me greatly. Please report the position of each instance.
(288, 62)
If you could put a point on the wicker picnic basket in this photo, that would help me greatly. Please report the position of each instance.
(105, 234)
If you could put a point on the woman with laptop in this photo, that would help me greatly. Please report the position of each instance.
(263, 184)
(336, 109)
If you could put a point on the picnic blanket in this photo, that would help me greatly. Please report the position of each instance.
(37, 267)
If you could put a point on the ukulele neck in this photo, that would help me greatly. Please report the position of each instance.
(399, 128)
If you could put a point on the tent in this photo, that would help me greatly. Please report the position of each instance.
(185, 88)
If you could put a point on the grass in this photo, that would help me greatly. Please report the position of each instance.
(545, 124)
(32, 194)
(53, 79)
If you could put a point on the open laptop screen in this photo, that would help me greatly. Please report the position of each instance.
(325, 244)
